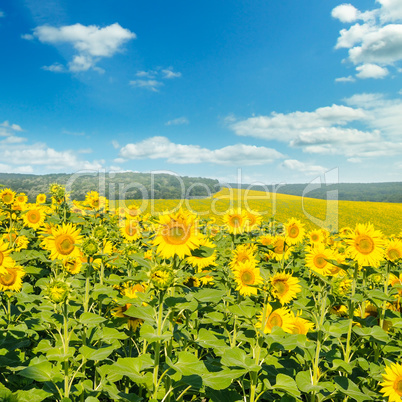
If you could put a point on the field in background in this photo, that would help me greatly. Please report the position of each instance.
(386, 217)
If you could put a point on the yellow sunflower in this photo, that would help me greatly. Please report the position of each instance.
(254, 221)
(284, 287)
(301, 326)
(366, 245)
(11, 279)
(21, 198)
(339, 310)
(41, 198)
(315, 237)
(7, 196)
(63, 242)
(281, 249)
(5, 260)
(34, 217)
(73, 265)
(235, 221)
(294, 231)
(243, 253)
(280, 317)
(317, 260)
(176, 235)
(130, 229)
(395, 281)
(132, 211)
(392, 384)
(393, 251)
(247, 277)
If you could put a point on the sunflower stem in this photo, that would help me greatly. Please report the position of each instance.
(66, 344)
(351, 312)
(157, 347)
(384, 303)
(87, 285)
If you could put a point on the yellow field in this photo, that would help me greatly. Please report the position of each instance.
(386, 217)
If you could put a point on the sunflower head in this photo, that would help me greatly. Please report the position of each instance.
(161, 278)
(235, 221)
(7, 196)
(281, 318)
(99, 232)
(41, 198)
(57, 291)
(90, 247)
(284, 287)
(11, 278)
(294, 231)
(393, 251)
(392, 382)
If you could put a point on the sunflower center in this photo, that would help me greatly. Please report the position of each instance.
(319, 261)
(131, 230)
(293, 232)
(315, 237)
(33, 216)
(298, 329)
(8, 278)
(7, 198)
(243, 258)
(364, 244)
(235, 221)
(247, 278)
(275, 320)
(64, 244)
(394, 254)
(398, 385)
(177, 234)
(279, 246)
(281, 287)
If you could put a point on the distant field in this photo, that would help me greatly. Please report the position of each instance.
(386, 217)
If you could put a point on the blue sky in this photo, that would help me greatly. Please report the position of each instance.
(281, 91)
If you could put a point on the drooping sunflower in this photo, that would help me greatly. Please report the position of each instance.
(247, 277)
(366, 245)
(317, 260)
(294, 231)
(63, 242)
(243, 253)
(284, 287)
(176, 235)
(41, 198)
(11, 279)
(5, 260)
(281, 249)
(393, 251)
(392, 382)
(73, 265)
(280, 317)
(34, 217)
(7, 196)
(130, 229)
(235, 221)
(300, 325)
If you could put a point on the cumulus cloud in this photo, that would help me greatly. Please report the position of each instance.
(345, 79)
(374, 40)
(331, 131)
(91, 43)
(152, 79)
(163, 148)
(303, 167)
(152, 85)
(177, 122)
(169, 73)
(55, 68)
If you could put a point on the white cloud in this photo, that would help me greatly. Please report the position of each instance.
(345, 79)
(162, 148)
(303, 167)
(55, 68)
(169, 73)
(371, 71)
(177, 122)
(146, 74)
(345, 13)
(152, 85)
(377, 42)
(91, 43)
(115, 144)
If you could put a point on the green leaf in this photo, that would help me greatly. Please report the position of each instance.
(188, 364)
(287, 384)
(207, 339)
(236, 357)
(146, 313)
(34, 394)
(148, 332)
(41, 372)
(349, 388)
(91, 319)
(304, 382)
(374, 332)
(91, 353)
(209, 295)
(221, 379)
(340, 363)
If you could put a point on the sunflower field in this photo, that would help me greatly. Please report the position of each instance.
(103, 302)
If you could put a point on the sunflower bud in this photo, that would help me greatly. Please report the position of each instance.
(162, 278)
(100, 232)
(58, 291)
(90, 247)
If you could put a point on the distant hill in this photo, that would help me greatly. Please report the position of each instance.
(374, 192)
(127, 185)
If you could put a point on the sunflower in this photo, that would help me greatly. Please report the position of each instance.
(5, 260)
(34, 217)
(130, 229)
(41, 198)
(366, 245)
(395, 281)
(132, 211)
(284, 287)
(73, 265)
(247, 276)
(63, 242)
(254, 221)
(7, 196)
(176, 235)
(243, 253)
(202, 262)
(11, 279)
(317, 260)
(339, 310)
(316, 237)
(235, 221)
(280, 317)
(392, 384)
(281, 249)
(300, 325)
(393, 251)
(294, 231)
(132, 322)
